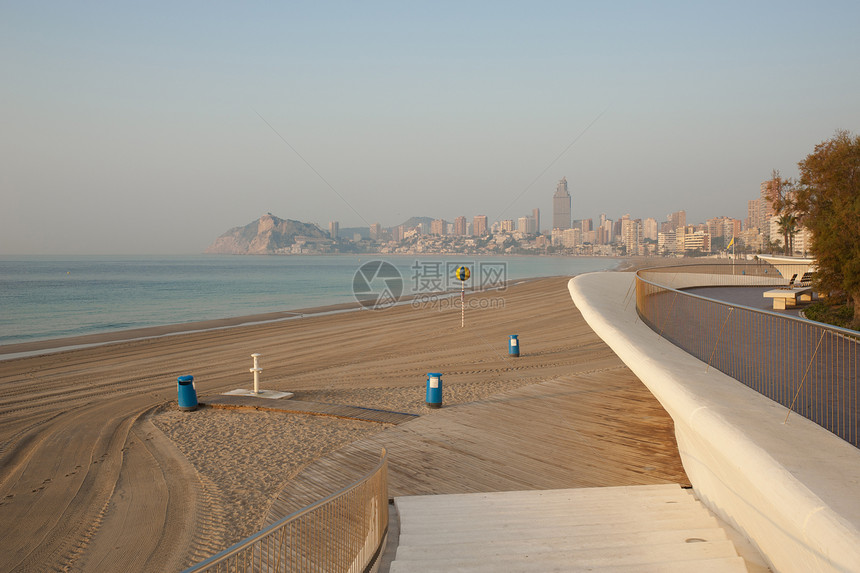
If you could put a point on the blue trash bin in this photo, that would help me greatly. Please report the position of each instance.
(434, 390)
(514, 345)
(187, 393)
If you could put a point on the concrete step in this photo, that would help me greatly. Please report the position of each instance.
(549, 542)
(620, 528)
(724, 565)
(595, 558)
(547, 498)
(475, 521)
(536, 530)
(445, 507)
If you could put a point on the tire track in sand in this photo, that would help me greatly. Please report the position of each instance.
(182, 518)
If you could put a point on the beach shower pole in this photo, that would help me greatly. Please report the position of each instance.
(462, 274)
(256, 370)
(462, 304)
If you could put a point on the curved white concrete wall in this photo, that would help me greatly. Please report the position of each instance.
(792, 488)
(687, 280)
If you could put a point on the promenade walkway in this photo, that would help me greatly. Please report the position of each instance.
(659, 528)
(788, 484)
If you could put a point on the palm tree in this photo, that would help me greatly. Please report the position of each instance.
(787, 224)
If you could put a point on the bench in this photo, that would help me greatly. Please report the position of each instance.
(787, 297)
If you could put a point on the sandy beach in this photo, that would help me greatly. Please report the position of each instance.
(95, 452)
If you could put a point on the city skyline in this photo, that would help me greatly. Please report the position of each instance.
(758, 212)
(152, 128)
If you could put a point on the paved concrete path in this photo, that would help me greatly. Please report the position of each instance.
(640, 528)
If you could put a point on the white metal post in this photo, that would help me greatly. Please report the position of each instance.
(256, 370)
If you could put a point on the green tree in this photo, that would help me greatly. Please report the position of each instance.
(784, 198)
(787, 224)
(829, 196)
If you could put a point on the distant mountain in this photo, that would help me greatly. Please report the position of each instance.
(266, 236)
(413, 222)
(348, 232)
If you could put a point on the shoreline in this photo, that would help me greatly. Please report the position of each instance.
(63, 344)
(24, 349)
(70, 343)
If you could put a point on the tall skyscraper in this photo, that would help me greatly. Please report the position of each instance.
(333, 229)
(460, 226)
(479, 225)
(561, 206)
(536, 217)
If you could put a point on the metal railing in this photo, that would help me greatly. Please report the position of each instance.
(809, 367)
(342, 532)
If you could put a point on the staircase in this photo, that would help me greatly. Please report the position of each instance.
(640, 528)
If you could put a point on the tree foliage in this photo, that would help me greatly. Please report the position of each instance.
(783, 197)
(829, 196)
(787, 225)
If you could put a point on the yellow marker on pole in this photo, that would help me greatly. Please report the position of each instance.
(462, 274)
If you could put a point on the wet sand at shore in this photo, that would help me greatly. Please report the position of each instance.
(101, 471)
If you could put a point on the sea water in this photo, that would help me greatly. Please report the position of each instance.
(46, 297)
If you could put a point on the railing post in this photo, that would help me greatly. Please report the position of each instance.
(765, 351)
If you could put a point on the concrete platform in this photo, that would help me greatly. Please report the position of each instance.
(631, 528)
(267, 394)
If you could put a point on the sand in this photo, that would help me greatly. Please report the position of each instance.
(100, 469)
(265, 450)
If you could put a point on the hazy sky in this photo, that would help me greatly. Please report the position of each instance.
(153, 127)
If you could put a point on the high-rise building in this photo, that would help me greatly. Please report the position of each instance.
(460, 226)
(723, 227)
(479, 225)
(507, 225)
(526, 225)
(333, 228)
(376, 232)
(561, 206)
(677, 220)
(766, 211)
(438, 227)
(571, 237)
(631, 235)
(753, 219)
(604, 231)
(649, 228)
(536, 217)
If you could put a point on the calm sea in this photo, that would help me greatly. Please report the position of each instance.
(52, 297)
